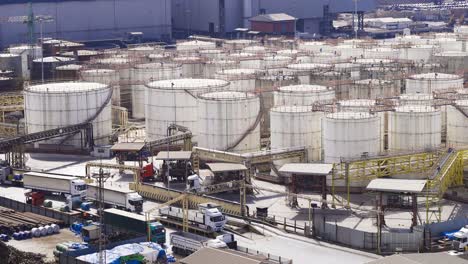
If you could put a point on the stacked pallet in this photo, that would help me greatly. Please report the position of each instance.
(12, 221)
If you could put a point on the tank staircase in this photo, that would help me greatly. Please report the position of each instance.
(91, 118)
(249, 130)
(460, 110)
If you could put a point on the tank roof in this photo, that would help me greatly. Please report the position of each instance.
(435, 76)
(66, 87)
(462, 102)
(71, 67)
(415, 108)
(350, 115)
(114, 61)
(227, 96)
(182, 84)
(277, 58)
(416, 96)
(238, 71)
(292, 109)
(373, 81)
(99, 71)
(8, 55)
(303, 88)
(53, 59)
(308, 66)
(357, 102)
(156, 65)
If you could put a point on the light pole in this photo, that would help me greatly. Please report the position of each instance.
(42, 20)
(355, 24)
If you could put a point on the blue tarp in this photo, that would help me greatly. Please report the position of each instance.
(449, 234)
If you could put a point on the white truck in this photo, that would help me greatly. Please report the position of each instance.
(208, 216)
(55, 184)
(184, 243)
(196, 184)
(127, 200)
(460, 240)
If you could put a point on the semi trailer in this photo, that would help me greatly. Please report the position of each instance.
(208, 216)
(119, 198)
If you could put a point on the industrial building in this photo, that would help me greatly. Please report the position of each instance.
(222, 17)
(87, 20)
(277, 140)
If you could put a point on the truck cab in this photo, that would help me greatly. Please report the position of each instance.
(7, 176)
(214, 219)
(196, 184)
(460, 240)
(158, 233)
(135, 202)
(78, 188)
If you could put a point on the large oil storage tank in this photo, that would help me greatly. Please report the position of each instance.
(212, 54)
(105, 76)
(142, 74)
(303, 94)
(350, 135)
(431, 82)
(356, 105)
(11, 62)
(214, 66)
(238, 44)
(54, 105)
(297, 126)
(50, 64)
(306, 71)
(272, 62)
(247, 60)
(175, 102)
(192, 67)
(121, 64)
(242, 80)
(229, 121)
(70, 72)
(457, 125)
(194, 45)
(414, 128)
(453, 61)
(416, 99)
(373, 89)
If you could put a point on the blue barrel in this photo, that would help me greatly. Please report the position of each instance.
(16, 236)
(22, 235)
(85, 206)
(5, 238)
(27, 234)
(18, 177)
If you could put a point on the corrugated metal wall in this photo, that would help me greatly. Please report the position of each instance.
(87, 20)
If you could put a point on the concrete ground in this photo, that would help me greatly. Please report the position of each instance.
(45, 245)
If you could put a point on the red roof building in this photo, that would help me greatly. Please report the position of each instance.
(274, 24)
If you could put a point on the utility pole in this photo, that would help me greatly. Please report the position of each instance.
(101, 179)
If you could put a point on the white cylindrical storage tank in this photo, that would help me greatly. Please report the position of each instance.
(356, 105)
(382, 53)
(247, 60)
(105, 76)
(194, 45)
(260, 50)
(69, 72)
(297, 126)
(314, 46)
(272, 62)
(142, 74)
(431, 82)
(349, 51)
(416, 99)
(242, 80)
(373, 89)
(192, 67)
(212, 54)
(175, 101)
(55, 105)
(325, 57)
(453, 61)
(214, 66)
(238, 44)
(414, 128)
(417, 53)
(305, 71)
(229, 121)
(122, 64)
(303, 95)
(457, 125)
(350, 135)
(159, 57)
